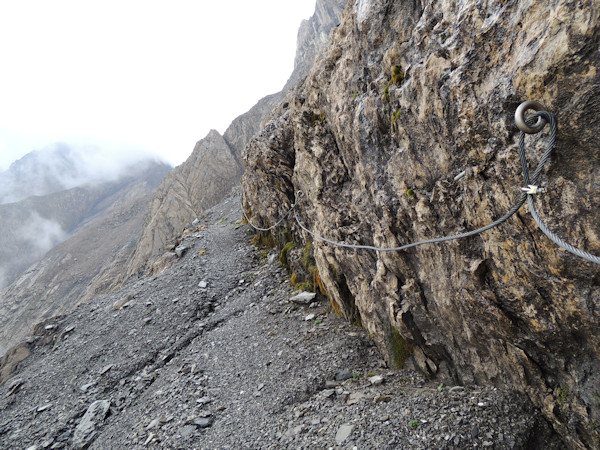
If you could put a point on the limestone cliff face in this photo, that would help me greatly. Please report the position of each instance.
(406, 96)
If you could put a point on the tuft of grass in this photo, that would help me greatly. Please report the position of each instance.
(263, 239)
(397, 75)
(396, 78)
(307, 255)
(395, 117)
(317, 281)
(561, 395)
(283, 255)
(337, 310)
(413, 423)
(399, 349)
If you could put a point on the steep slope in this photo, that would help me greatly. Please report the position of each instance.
(32, 226)
(404, 131)
(99, 226)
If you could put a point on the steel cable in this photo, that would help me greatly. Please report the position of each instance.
(530, 190)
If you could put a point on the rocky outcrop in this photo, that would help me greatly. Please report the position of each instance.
(215, 167)
(206, 177)
(407, 96)
(99, 226)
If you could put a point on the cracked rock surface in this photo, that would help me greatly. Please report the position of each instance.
(213, 354)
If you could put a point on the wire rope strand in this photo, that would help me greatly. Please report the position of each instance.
(297, 199)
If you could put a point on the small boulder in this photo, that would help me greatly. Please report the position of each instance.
(123, 302)
(376, 380)
(181, 250)
(343, 433)
(343, 375)
(303, 298)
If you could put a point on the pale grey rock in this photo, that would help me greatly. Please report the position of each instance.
(123, 302)
(204, 422)
(14, 386)
(153, 424)
(86, 430)
(303, 298)
(44, 407)
(181, 250)
(376, 380)
(343, 432)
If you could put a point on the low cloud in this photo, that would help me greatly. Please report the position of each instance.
(2, 278)
(65, 166)
(41, 233)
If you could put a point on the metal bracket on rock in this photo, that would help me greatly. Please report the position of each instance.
(533, 189)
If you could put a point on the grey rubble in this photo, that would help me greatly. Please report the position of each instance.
(235, 365)
(407, 96)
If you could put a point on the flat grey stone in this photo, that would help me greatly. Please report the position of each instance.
(85, 432)
(343, 432)
(204, 422)
(303, 298)
(376, 380)
(342, 375)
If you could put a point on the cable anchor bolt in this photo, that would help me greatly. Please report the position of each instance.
(521, 121)
(532, 189)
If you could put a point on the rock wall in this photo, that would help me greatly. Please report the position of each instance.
(407, 96)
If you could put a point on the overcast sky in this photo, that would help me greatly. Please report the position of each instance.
(137, 75)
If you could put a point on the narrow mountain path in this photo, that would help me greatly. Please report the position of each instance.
(213, 354)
